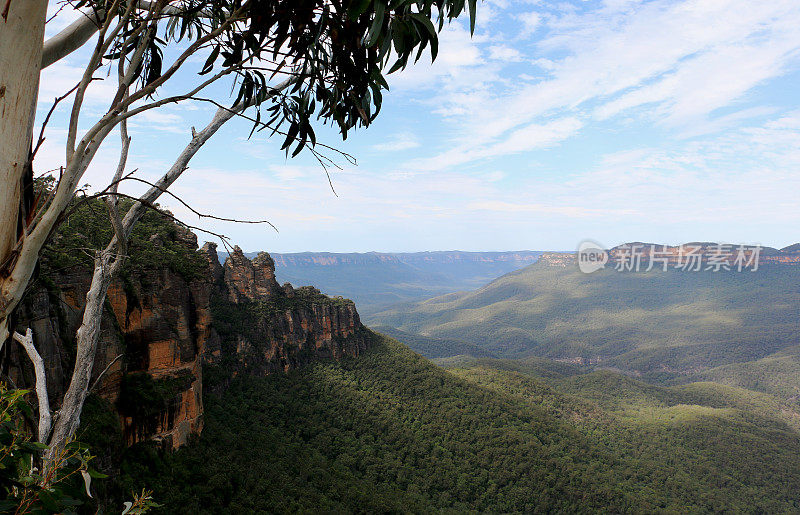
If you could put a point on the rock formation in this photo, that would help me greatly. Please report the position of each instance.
(158, 323)
(276, 328)
(249, 280)
(163, 325)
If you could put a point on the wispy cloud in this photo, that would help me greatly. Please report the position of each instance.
(397, 142)
(530, 22)
(659, 61)
(529, 137)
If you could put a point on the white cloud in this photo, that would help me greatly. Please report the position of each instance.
(504, 53)
(659, 61)
(578, 211)
(530, 22)
(530, 137)
(161, 119)
(749, 176)
(397, 142)
(458, 56)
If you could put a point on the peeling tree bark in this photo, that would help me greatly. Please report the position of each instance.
(21, 40)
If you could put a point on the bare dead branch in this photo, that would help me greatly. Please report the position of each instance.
(262, 125)
(45, 416)
(190, 208)
(111, 201)
(100, 376)
(224, 239)
(47, 118)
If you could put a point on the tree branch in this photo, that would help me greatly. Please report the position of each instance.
(94, 60)
(100, 376)
(45, 417)
(74, 36)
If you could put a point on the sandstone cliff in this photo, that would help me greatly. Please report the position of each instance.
(174, 310)
(266, 327)
(157, 325)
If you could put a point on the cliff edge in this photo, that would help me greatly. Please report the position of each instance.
(173, 311)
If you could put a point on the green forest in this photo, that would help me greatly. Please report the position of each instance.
(666, 326)
(390, 431)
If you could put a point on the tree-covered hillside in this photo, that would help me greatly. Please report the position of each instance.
(661, 324)
(389, 431)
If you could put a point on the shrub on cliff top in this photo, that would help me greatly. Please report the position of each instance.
(156, 243)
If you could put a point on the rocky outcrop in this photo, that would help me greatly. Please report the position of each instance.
(157, 322)
(269, 328)
(559, 259)
(165, 321)
(249, 280)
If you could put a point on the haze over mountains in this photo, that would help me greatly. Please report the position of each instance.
(555, 391)
(376, 280)
(740, 328)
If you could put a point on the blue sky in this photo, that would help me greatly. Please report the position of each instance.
(665, 121)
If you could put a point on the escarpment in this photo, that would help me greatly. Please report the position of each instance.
(265, 327)
(172, 311)
(156, 326)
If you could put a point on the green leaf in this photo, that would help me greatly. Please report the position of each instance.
(473, 7)
(97, 475)
(210, 61)
(426, 22)
(357, 8)
(400, 63)
(377, 23)
(48, 501)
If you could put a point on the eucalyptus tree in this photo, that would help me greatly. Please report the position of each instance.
(293, 64)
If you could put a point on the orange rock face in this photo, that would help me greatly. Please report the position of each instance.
(158, 324)
(284, 327)
(159, 331)
(166, 326)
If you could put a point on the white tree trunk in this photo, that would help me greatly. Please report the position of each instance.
(69, 416)
(107, 264)
(21, 40)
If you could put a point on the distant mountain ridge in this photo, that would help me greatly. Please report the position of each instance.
(429, 257)
(377, 280)
(676, 254)
(662, 324)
